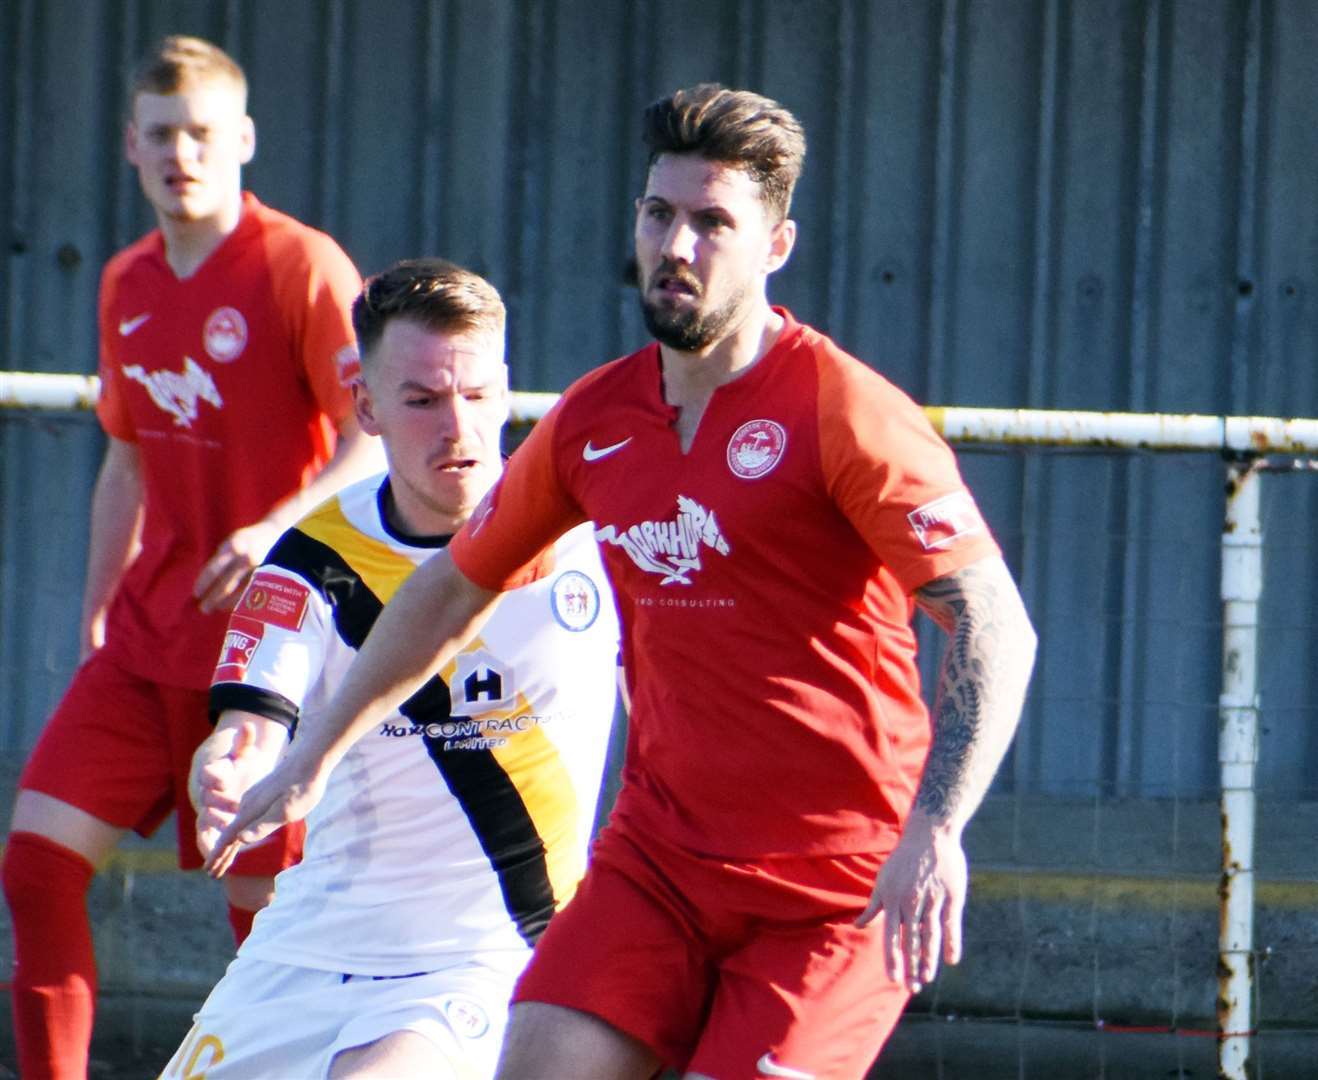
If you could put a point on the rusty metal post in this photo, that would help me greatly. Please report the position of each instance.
(1242, 584)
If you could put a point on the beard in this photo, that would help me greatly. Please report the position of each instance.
(689, 329)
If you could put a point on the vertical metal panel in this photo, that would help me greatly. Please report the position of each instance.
(940, 295)
(54, 245)
(1006, 202)
(1037, 477)
(1246, 209)
(882, 216)
(1285, 376)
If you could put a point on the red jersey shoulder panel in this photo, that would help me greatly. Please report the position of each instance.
(314, 283)
(891, 474)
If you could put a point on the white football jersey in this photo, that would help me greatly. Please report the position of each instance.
(460, 823)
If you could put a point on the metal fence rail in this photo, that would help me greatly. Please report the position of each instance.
(1010, 427)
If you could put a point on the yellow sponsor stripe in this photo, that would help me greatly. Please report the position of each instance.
(532, 763)
(382, 569)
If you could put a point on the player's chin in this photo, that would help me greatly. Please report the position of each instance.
(185, 206)
(454, 493)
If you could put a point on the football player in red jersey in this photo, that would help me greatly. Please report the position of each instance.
(783, 865)
(226, 349)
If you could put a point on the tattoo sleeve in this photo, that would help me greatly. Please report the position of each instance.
(981, 686)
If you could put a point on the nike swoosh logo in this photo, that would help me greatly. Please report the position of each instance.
(127, 326)
(766, 1066)
(589, 453)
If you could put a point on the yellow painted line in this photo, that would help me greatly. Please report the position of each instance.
(142, 861)
(1117, 891)
(1104, 890)
(139, 860)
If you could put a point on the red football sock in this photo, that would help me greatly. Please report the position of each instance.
(241, 921)
(54, 988)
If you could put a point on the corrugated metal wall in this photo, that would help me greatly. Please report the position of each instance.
(1098, 204)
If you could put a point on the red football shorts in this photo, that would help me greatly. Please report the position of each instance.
(746, 968)
(120, 747)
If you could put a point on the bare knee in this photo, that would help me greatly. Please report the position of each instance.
(549, 1040)
(64, 824)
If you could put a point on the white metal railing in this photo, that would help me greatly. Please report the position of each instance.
(1245, 439)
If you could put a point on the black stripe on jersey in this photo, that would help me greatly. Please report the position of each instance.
(490, 800)
(355, 607)
(253, 699)
(497, 814)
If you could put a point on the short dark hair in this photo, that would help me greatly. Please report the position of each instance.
(433, 293)
(177, 62)
(735, 127)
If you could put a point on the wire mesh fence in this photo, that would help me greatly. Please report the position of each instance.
(1092, 932)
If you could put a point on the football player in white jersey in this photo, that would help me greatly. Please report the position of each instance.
(448, 836)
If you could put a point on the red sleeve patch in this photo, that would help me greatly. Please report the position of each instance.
(348, 365)
(240, 642)
(937, 524)
(275, 600)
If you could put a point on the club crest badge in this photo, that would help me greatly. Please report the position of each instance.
(275, 600)
(575, 601)
(225, 334)
(756, 448)
(465, 1015)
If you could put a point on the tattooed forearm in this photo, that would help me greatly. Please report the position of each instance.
(986, 666)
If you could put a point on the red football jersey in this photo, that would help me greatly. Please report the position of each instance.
(764, 580)
(231, 383)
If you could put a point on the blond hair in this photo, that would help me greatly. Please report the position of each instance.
(178, 62)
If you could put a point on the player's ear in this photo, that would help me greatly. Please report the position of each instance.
(247, 140)
(363, 406)
(782, 238)
(130, 144)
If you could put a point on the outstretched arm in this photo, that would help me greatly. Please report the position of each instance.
(243, 748)
(435, 612)
(921, 889)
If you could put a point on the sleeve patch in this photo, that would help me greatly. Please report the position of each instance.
(939, 524)
(240, 642)
(348, 365)
(275, 600)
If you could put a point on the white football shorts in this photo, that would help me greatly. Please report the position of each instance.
(267, 1021)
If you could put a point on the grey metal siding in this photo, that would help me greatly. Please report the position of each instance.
(1098, 204)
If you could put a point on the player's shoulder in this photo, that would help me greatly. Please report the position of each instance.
(145, 249)
(322, 543)
(844, 379)
(290, 241)
(357, 503)
(613, 383)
